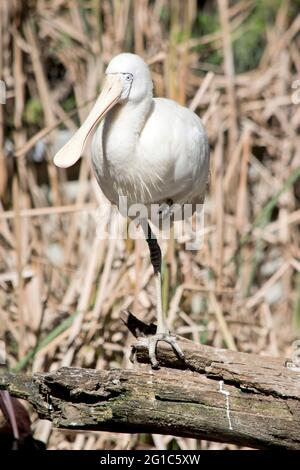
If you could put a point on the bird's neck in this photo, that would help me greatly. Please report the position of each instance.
(123, 125)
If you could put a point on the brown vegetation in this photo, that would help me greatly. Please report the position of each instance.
(61, 286)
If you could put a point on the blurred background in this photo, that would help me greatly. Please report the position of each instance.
(236, 64)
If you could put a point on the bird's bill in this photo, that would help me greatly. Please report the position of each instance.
(73, 149)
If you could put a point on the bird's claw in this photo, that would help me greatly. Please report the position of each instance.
(151, 343)
(167, 338)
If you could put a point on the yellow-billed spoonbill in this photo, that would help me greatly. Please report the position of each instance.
(150, 150)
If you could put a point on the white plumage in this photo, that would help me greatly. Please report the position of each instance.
(165, 157)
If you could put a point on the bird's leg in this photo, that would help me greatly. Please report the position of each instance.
(162, 332)
(155, 256)
(161, 319)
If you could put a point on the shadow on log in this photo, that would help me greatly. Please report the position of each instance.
(215, 394)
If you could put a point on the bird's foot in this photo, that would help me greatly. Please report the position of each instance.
(151, 343)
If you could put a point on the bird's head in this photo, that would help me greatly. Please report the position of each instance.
(127, 79)
(133, 74)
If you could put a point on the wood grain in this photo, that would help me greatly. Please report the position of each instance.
(214, 394)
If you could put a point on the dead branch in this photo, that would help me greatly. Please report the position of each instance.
(215, 394)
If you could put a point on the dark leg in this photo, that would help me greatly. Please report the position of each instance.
(155, 251)
(162, 332)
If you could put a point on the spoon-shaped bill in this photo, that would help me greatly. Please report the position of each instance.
(73, 149)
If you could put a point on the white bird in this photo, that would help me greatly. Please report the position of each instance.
(150, 150)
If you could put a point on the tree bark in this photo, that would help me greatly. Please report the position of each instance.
(214, 394)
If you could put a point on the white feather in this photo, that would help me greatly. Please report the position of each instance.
(150, 150)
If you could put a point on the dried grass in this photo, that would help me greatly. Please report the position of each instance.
(61, 288)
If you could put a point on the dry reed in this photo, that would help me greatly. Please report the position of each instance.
(61, 287)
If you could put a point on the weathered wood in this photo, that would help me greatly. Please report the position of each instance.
(249, 372)
(215, 394)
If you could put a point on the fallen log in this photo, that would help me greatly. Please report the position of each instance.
(214, 394)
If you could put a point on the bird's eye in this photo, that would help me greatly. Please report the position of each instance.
(128, 77)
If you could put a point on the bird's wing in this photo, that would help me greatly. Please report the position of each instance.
(174, 146)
